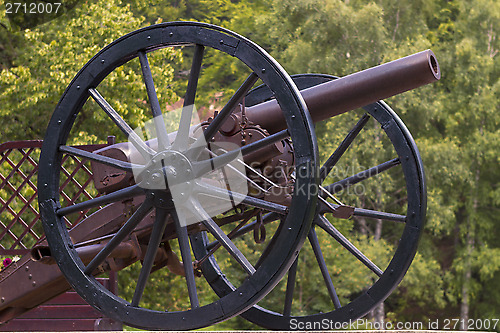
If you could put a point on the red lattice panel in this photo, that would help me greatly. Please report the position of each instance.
(20, 226)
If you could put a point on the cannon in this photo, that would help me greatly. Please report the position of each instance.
(229, 201)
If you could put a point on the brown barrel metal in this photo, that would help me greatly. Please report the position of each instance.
(355, 90)
(323, 101)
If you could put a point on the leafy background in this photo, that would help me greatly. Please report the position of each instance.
(456, 272)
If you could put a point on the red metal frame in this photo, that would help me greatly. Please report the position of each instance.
(19, 209)
(18, 170)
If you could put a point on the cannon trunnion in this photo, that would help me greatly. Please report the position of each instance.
(229, 201)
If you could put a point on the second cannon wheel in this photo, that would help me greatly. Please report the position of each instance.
(368, 223)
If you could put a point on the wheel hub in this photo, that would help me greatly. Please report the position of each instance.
(169, 171)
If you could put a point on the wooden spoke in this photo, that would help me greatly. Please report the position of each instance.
(125, 193)
(182, 138)
(324, 224)
(183, 238)
(313, 239)
(124, 231)
(161, 129)
(202, 168)
(379, 215)
(217, 232)
(341, 149)
(149, 257)
(126, 166)
(363, 175)
(132, 136)
(224, 194)
(290, 287)
(230, 106)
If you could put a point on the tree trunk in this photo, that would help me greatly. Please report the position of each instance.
(464, 306)
(379, 314)
(469, 243)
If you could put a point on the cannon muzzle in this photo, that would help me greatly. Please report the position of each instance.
(355, 90)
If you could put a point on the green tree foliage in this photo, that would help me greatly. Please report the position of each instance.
(471, 105)
(51, 58)
(455, 123)
(9, 42)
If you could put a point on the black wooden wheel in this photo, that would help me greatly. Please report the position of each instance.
(343, 294)
(169, 173)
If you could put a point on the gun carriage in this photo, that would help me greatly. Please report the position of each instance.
(189, 199)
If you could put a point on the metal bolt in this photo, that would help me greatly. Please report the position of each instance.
(156, 177)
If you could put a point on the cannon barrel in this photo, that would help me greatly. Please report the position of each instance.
(355, 90)
(323, 101)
